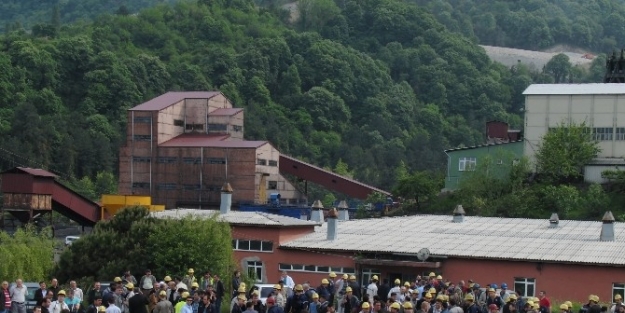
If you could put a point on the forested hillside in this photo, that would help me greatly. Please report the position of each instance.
(372, 83)
(27, 13)
(535, 24)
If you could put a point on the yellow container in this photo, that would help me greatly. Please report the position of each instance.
(113, 203)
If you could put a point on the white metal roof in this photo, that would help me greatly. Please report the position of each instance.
(476, 237)
(575, 89)
(237, 217)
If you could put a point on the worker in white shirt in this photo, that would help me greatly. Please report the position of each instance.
(77, 291)
(59, 305)
(288, 281)
(18, 295)
(372, 288)
(396, 289)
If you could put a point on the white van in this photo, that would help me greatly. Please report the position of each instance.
(70, 239)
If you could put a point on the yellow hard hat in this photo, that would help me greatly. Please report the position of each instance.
(596, 299)
(471, 285)
(163, 293)
(366, 305)
(117, 279)
(491, 289)
(428, 296)
(255, 293)
(407, 305)
(512, 297)
(241, 289)
(407, 284)
(375, 277)
(469, 297)
(536, 306)
(299, 287)
(167, 279)
(591, 297)
(618, 297)
(530, 303)
(432, 290)
(440, 298)
(242, 284)
(242, 297)
(432, 274)
(535, 300)
(439, 277)
(277, 286)
(61, 293)
(348, 289)
(345, 276)
(395, 305)
(315, 296)
(324, 281)
(564, 307)
(190, 271)
(397, 281)
(130, 286)
(332, 274)
(415, 290)
(195, 284)
(184, 295)
(352, 277)
(569, 304)
(446, 298)
(101, 308)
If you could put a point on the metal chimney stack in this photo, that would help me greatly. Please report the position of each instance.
(226, 199)
(607, 229)
(554, 220)
(316, 214)
(332, 224)
(343, 213)
(458, 214)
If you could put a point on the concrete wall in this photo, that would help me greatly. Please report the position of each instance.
(235, 127)
(268, 154)
(166, 117)
(545, 111)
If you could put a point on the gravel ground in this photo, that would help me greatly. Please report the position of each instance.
(535, 59)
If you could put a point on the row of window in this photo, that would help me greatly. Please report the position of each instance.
(174, 186)
(265, 162)
(252, 245)
(169, 160)
(604, 133)
(316, 268)
(469, 163)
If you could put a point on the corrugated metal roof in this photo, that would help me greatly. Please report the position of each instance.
(237, 217)
(212, 141)
(476, 237)
(173, 97)
(225, 112)
(36, 172)
(575, 89)
(484, 145)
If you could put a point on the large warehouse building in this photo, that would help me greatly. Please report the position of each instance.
(600, 106)
(532, 255)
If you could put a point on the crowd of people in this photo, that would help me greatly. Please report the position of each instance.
(429, 294)
(341, 294)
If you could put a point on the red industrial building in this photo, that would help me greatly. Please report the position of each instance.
(182, 146)
(568, 259)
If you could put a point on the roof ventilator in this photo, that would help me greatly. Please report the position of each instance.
(343, 213)
(316, 214)
(332, 224)
(554, 220)
(607, 229)
(226, 199)
(458, 214)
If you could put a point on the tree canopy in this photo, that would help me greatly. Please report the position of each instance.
(132, 240)
(27, 254)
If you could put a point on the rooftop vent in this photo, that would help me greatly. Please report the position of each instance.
(343, 213)
(554, 220)
(332, 224)
(226, 199)
(458, 214)
(607, 229)
(316, 214)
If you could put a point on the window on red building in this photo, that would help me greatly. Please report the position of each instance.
(525, 286)
(255, 270)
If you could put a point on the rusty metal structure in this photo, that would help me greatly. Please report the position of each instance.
(615, 68)
(29, 192)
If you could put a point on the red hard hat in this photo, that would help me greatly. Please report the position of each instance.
(271, 300)
(493, 307)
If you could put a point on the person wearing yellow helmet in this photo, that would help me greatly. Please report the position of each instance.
(372, 288)
(365, 307)
(394, 307)
(349, 302)
(325, 290)
(298, 301)
(618, 302)
(396, 289)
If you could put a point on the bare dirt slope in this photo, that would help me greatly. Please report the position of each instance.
(534, 59)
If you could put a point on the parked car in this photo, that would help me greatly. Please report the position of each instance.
(70, 239)
(264, 291)
(31, 287)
